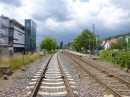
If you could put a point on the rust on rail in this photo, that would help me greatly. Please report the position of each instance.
(65, 79)
(102, 83)
(42, 75)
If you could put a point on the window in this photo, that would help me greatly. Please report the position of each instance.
(27, 23)
(10, 41)
(15, 39)
(11, 32)
(2, 35)
(20, 34)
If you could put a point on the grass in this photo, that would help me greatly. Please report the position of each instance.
(17, 61)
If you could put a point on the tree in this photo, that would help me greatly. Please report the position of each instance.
(54, 43)
(57, 47)
(48, 44)
(121, 44)
(61, 45)
(82, 41)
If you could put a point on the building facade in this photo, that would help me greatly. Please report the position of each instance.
(17, 32)
(2, 31)
(30, 35)
(14, 37)
(12, 34)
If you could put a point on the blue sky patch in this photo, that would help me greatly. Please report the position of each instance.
(82, 0)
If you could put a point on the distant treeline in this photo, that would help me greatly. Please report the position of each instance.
(117, 36)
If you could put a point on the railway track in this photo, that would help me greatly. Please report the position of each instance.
(52, 80)
(110, 83)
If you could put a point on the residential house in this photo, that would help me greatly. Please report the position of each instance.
(107, 43)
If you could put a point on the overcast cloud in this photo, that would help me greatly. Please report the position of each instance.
(65, 19)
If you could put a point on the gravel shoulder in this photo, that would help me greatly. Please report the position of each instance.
(16, 74)
(110, 68)
(15, 85)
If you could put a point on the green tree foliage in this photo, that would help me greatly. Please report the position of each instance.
(121, 44)
(48, 44)
(117, 36)
(54, 44)
(82, 41)
(57, 47)
(100, 48)
(61, 45)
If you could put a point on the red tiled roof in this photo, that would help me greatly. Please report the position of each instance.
(112, 41)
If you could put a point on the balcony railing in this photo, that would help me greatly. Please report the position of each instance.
(2, 41)
(3, 22)
(7, 36)
(2, 31)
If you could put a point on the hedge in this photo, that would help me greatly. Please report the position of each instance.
(122, 58)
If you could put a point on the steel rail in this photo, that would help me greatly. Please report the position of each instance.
(120, 79)
(84, 67)
(35, 90)
(65, 79)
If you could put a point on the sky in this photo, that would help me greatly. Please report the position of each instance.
(64, 20)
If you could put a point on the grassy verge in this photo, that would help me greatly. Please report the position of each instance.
(17, 61)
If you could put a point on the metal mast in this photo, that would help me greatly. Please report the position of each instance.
(93, 34)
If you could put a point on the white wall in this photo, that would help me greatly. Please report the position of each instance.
(2, 31)
(20, 36)
(107, 46)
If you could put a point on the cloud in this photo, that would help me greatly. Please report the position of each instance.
(16, 3)
(124, 4)
(55, 9)
(65, 19)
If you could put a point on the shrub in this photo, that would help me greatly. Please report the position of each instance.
(122, 58)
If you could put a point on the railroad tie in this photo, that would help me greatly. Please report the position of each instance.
(54, 94)
(108, 95)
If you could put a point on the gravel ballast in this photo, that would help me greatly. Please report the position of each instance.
(83, 87)
(18, 83)
(15, 85)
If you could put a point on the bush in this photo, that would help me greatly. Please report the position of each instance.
(122, 58)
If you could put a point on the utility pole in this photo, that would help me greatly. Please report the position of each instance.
(89, 44)
(93, 34)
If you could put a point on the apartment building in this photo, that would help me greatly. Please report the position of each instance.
(2, 32)
(18, 34)
(12, 35)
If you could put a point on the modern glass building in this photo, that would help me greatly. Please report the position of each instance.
(30, 35)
